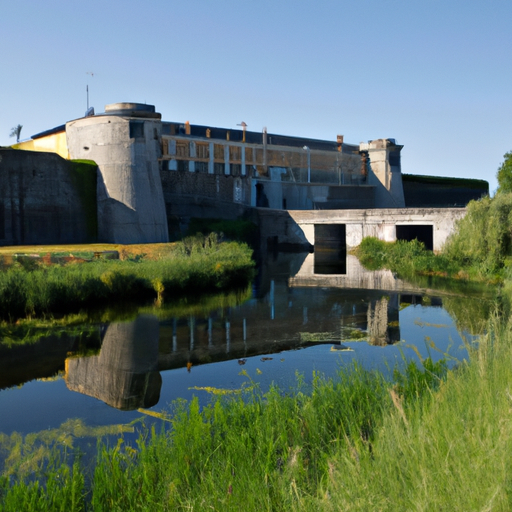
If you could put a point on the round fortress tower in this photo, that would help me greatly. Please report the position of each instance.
(125, 144)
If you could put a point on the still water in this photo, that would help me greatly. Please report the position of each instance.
(299, 318)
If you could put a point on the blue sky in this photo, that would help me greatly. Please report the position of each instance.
(435, 75)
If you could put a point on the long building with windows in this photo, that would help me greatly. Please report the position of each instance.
(154, 176)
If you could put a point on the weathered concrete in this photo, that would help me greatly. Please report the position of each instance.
(126, 147)
(385, 172)
(297, 227)
(42, 200)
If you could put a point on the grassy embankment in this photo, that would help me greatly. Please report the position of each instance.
(35, 287)
(430, 440)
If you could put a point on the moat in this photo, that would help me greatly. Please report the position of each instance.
(300, 318)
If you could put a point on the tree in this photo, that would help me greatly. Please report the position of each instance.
(504, 174)
(16, 131)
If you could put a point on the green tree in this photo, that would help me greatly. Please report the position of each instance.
(504, 174)
(16, 132)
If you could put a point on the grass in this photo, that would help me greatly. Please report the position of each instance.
(430, 440)
(201, 264)
(245, 451)
(450, 450)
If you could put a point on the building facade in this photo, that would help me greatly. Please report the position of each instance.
(154, 176)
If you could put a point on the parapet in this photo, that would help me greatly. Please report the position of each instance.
(132, 110)
(378, 144)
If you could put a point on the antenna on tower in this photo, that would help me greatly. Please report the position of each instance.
(87, 88)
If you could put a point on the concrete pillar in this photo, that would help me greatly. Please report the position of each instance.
(385, 172)
(211, 162)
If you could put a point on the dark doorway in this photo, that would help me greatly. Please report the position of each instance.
(330, 249)
(423, 233)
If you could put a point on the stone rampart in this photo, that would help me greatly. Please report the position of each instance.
(45, 199)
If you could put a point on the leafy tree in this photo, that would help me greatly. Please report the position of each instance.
(504, 174)
(16, 131)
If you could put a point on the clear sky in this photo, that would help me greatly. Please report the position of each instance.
(436, 75)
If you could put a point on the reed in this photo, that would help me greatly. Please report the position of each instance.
(199, 265)
(244, 451)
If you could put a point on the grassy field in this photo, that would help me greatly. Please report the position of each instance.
(59, 283)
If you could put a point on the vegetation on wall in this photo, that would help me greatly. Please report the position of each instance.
(83, 175)
(447, 181)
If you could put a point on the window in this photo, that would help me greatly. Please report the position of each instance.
(202, 167)
(136, 129)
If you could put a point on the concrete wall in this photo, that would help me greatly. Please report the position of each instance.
(188, 195)
(298, 227)
(126, 146)
(310, 196)
(42, 200)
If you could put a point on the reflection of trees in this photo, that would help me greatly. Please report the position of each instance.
(125, 373)
(469, 313)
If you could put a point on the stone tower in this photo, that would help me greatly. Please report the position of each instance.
(125, 143)
(385, 172)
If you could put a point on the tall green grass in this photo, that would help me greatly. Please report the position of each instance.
(483, 238)
(249, 451)
(198, 265)
(452, 450)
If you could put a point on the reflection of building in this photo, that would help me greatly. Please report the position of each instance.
(383, 326)
(125, 373)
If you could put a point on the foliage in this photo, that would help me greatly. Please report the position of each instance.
(483, 238)
(202, 264)
(16, 132)
(504, 174)
(414, 382)
(405, 258)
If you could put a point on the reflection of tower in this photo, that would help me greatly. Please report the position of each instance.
(383, 326)
(125, 373)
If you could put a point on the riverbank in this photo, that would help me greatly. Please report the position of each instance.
(425, 441)
(36, 286)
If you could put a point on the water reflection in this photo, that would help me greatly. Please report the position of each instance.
(292, 307)
(125, 373)
(383, 324)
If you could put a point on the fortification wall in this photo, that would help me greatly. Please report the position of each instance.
(188, 195)
(436, 192)
(43, 199)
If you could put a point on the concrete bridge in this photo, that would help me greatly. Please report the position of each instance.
(347, 228)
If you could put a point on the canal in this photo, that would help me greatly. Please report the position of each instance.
(299, 319)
